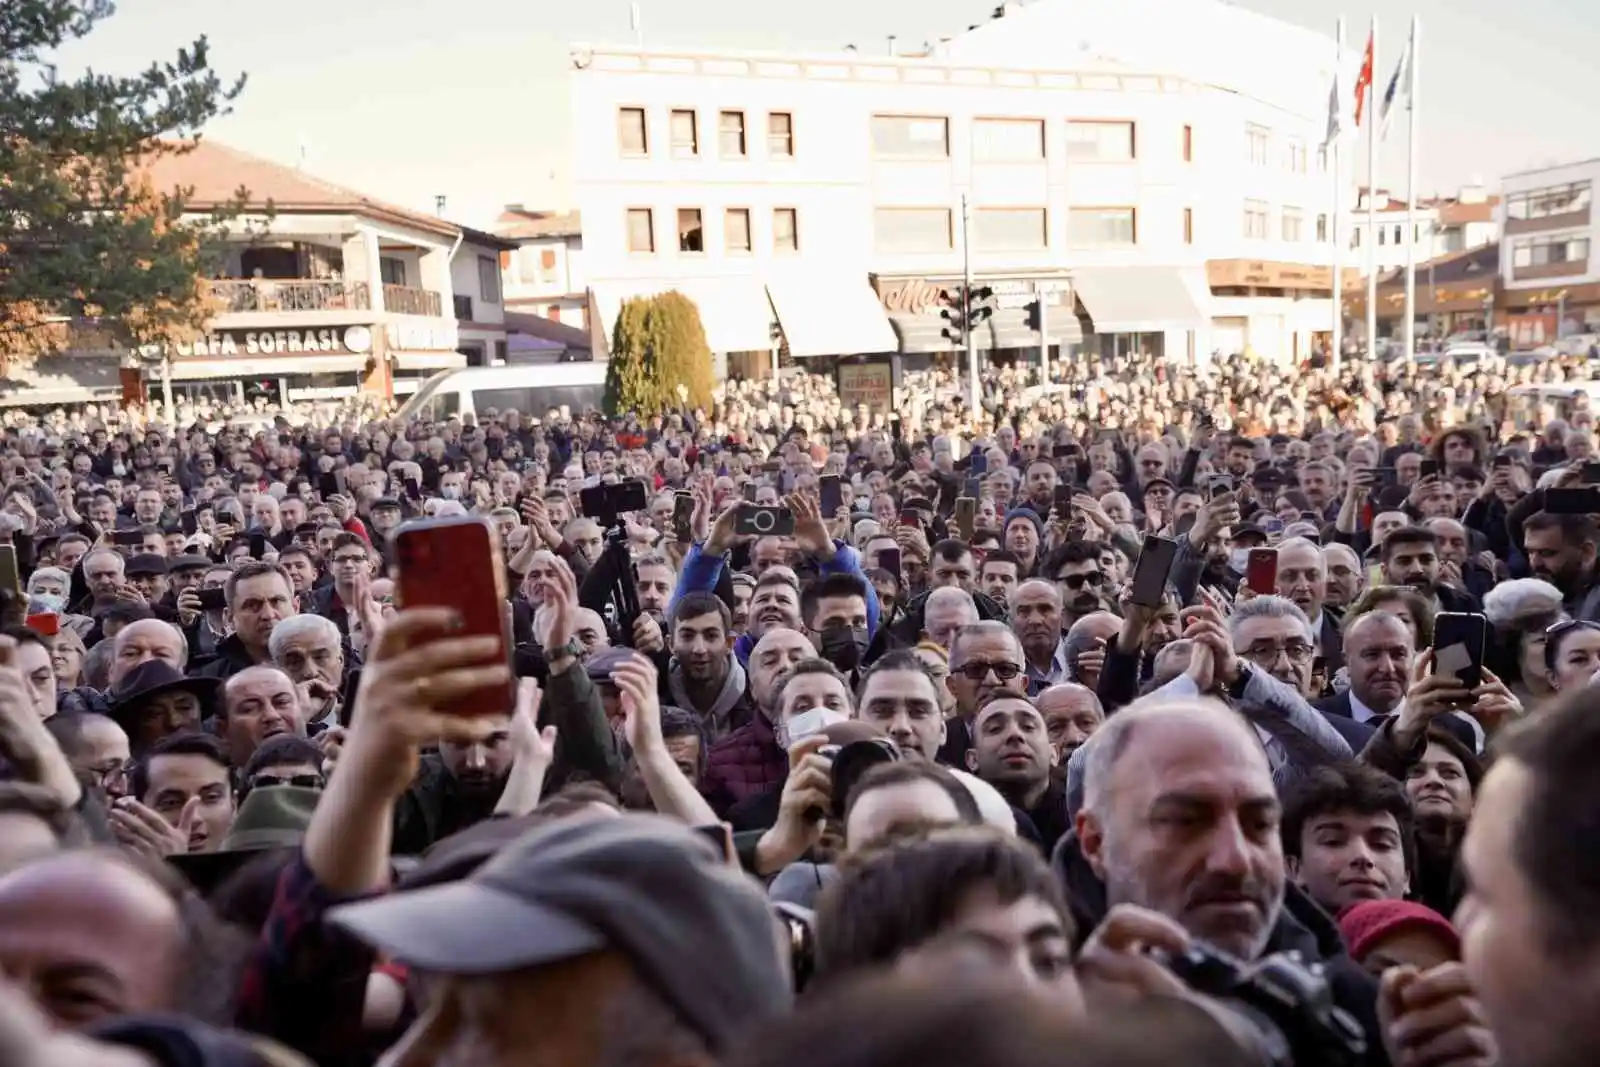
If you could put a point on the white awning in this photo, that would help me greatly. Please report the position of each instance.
(1143, 299)
(190, 369)
(61, 380)
(428, 360)
(735, 312)
(831, 315)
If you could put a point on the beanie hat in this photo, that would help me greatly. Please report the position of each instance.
(1368, 922)
(1025, 513)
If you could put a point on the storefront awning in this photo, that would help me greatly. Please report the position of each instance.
(192, 369)
(428, 360)
(735, 312)
(1143, 299)
(831, 315)
(59, 380)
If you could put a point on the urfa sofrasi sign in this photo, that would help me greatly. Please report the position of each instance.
(346, 339)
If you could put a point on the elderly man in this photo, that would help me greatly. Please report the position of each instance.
(945, 612)
(1036, 613)
(1303, 579)
(1072, 713)
(259, 703)
(1084, 648)
(143, 641)
(309, 649)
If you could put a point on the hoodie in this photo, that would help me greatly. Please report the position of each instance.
(730, 710)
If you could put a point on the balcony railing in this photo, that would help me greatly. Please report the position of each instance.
(464, 308)
(408, 301)
(291, 294)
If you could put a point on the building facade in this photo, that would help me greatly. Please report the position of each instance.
(1133, 195)
(545, 275)
(1440, 226)
(1550, 281)
(476, 281)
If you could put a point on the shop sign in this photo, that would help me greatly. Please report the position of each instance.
(348, 339)
(871, 384)
(428, 335)
(323, 392)
(920, 296)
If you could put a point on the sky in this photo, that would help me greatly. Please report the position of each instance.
(406, 100)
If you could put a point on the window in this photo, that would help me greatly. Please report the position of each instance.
(1100, 142)
(1544, 203)
(1255, 219)
(785, 230)
(1188, 225)
(691, 232)
(501, 350)
(1355, 237)
(912, 229)
(736, 229)
(1009, 229)
(1007, 140)
(391, 270)
(631, 131)
(1544, 251)
(910, 137)
(780, 135)
(1188, 144)
(730, 133)
(685, 133)
(489, 279)
(1322, 159)
(1383, 236)
(1258, 144)
(1322, 228)
(1295, 155)
(1293, 225)
(1399, 236)
(1095, 227)
(641, 229)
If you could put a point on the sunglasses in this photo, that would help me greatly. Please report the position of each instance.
(1078, 581)
(977, 670)
(300, 781)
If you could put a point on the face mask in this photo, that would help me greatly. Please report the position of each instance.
(845, 646)
(806, 724)
(50, 603)
(1239, 560)
(451, 492)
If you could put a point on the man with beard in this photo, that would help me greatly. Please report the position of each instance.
(1011, 751)
(1036, 620)
(749, 760)
(1410, 557)
(1561, 549)
(1072, 713)
(1075, 567)
(985, 660)
(706, 677)
(654, 578)
(1040, 485)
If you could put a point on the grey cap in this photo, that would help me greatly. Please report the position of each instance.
(699, 932)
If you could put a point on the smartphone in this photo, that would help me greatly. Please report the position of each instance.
(455, 563)
(966, 516)
(1261, 571)
(1501, 461)
(750, 492)
(1063, 501)
(911, 518)
(979, 464)
(683, 517)
(127, 538)
(1386, 475)
(347, 696)
(10, 576)
(191, 524)
(1459, 640)
(1582, 500)
(327, 484)
(973, 487)
(1591, 474)
(1061, 451)
(765, 521)
(258, 545)
(1219, 485)
(721, 837)
(212, 599)
(889, 560)
(1429, 468)
(1151, 572)
(45, 624)
(831, 496)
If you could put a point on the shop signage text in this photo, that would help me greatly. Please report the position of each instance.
(425, 336)
(357, 339)
(871, 384)
(920, 296)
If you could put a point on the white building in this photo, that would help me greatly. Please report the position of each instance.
(1550, 282)
(476, 278)
(546, 275)
(1177, 191)
(1439, 227)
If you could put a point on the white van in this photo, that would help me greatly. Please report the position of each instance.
(530, 388)
(1523, 402)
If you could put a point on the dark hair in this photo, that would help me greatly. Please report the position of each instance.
(1474, 438)
(1347, 787)
(1559, 748)
(950, 550)
(573, 797)
(189, 743)
(22, 635)
(1471, 764)
(828, 587)
(244, 898)
(253, 569)
(1575, 529)
(901, 659)
(677, 722)
(296, 549)
(1557, 635)
(904, 772)
(346, 539)
(1408, 535)
(1001, 557)
(694, 605)
(811, 665)
(280, 751)
(888, 901)
(1421, 608)
(1071, 552)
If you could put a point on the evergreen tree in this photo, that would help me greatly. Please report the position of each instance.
(83, 233)
(659, 357)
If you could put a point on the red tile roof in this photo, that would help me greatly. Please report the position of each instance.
(531, 224)
(1452, 213)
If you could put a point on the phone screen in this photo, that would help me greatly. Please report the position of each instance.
(1583, 500)
(1458, 646)
(683, 517)
(980, 463)
(966, 516)
(1151, 572)
(191, 524)
(889, 560)
(831, 496)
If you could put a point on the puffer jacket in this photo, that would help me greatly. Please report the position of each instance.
(746, 763)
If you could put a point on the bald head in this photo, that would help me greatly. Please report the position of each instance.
(1145, 722)
(146, 640)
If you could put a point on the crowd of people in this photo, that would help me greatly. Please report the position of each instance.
(1147, 715)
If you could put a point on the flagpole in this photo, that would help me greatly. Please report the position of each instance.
(1338, 203)
(1371, 115)
(1411, 195)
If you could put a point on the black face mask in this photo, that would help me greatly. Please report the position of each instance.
(845, 646)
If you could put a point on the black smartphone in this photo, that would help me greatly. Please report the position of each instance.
(1061, 451)
(212, 599)
(1459, 640)
(765, 521)
(494, 447)
(258, 545)
(1580, 500)
(127, 538)
(750, 492)
(191, 524)
(966, 514)
(1502, 461)
(1591, 473)
(1430, 468)
(413, 490)
(10, 576)
(831, 496)
(347, 696)
(1386, 475)
(283, 440)
(979, 464)
(889, 560)
(327, 484)
(973, 488)
(1219, 485)
(1063, 501)
(683, 517)
(721, 837)
(1150, 574)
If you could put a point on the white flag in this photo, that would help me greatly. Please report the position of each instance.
(1399, 85)
(1335, 114)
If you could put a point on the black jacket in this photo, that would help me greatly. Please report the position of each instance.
(230, 658)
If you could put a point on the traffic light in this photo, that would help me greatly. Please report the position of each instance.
(1036, 316)
(965, 310)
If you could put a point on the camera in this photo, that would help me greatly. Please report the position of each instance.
(604, 503)
(852, 761)
(1285, 1002)
(765, 521)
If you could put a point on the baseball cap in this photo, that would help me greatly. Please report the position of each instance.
(699, 932)
(1367, 922)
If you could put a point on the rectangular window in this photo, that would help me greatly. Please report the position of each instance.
(910, 137)
(780, 135)
(1188, 144)
(1258, 144)
(1188, 225)
(1295, 155)
(785, 230)
(1322, 228)
(489, 279)
(1256, 223)
(632, 134)
(736, 229)
(1544, 203)
(1544, 251)
(1100, 142)
(1007, 140)
(1399, 236)
(730, 134)
(912, 229)
(641, 229)
(391, 270)
(1383, 236)
(691, 231)
(1099, 227)
(1009, 229)
(1355, 237)
(685, 133)
(1293, 225)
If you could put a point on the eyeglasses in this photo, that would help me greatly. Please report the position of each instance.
(1266, 652)
(299, 781)
(1556, 629)
(109, 774)
(977, 670)
(349, 559)
(1078, 581)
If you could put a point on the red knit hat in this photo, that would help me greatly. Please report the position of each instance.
(1367, 922)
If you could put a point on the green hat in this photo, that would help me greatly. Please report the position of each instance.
(275, 816)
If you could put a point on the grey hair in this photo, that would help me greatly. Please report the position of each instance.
(50, 574)
(1097, 757)
(982, 629)
(116, 642)
(944, 594)
(300, 626)
(1299, 542)
(1518, 600)
(1079, 639)
(1268, 607)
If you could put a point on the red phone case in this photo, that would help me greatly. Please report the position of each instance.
(1261, 574)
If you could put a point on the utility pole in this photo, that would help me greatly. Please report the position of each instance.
(974, 390)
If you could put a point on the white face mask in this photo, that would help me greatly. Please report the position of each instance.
(1239, 560)
(805, 724)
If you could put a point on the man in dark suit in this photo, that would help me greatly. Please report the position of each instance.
(1380, 655)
